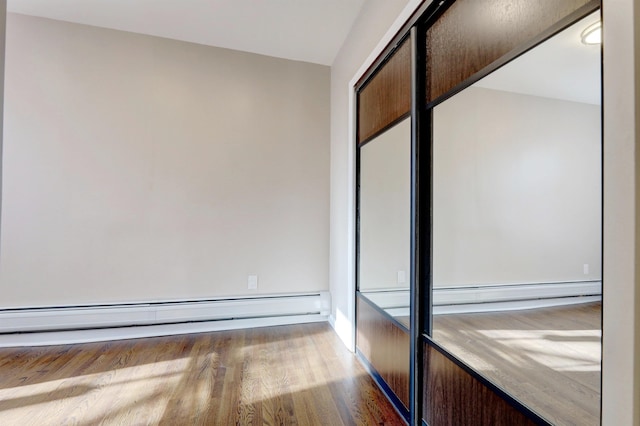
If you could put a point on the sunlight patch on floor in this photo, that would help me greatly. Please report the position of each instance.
(118, 388)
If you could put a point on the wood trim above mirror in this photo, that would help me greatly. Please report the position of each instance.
(386, 97)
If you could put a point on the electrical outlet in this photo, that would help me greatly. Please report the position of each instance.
(585, 269)
(252, 282)
(402, 277)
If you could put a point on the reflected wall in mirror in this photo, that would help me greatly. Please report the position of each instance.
(517, 227)
(385, 219)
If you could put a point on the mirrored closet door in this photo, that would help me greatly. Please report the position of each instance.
(479, 211)
(384, 224)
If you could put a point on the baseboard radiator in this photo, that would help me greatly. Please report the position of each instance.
(492, 298)
(76, 324)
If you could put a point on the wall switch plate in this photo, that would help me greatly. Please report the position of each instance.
(252, 282)
(402, 277)
(585, 269)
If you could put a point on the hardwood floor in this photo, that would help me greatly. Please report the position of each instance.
(548, 358)
(287, 375)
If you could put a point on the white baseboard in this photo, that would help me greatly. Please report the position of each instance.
(108, 322)
(68, 337)
(332, 321)
(492, 298)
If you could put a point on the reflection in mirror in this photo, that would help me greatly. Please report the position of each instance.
(385, 213)
(517, 227)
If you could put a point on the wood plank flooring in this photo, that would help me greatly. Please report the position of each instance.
(287, 375)
(548, 358)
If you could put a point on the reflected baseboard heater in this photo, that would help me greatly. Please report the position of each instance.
(493, 298)
(79, 324)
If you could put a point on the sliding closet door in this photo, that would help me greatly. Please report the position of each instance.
(383, 223)
(504, 128)
(464, 126)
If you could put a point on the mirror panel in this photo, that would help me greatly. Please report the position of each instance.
(385, 220)
(517, 227)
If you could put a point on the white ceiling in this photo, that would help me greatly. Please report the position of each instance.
(561, 68)
(303, 30)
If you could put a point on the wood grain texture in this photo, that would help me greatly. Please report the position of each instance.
(472, 34)
(387, 96)
(386, 346)
(288, 375)
(454, 397)
(548, 358)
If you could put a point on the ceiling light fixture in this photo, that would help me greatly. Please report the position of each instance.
(592, 34)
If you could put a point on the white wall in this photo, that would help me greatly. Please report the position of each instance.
(138, 168)
(385, 209)
(3, 30)
(371, 26)
(516, 200)
(621, 233)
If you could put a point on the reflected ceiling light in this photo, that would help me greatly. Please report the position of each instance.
(592, 34)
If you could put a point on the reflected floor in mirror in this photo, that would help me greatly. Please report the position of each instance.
(548, 357)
